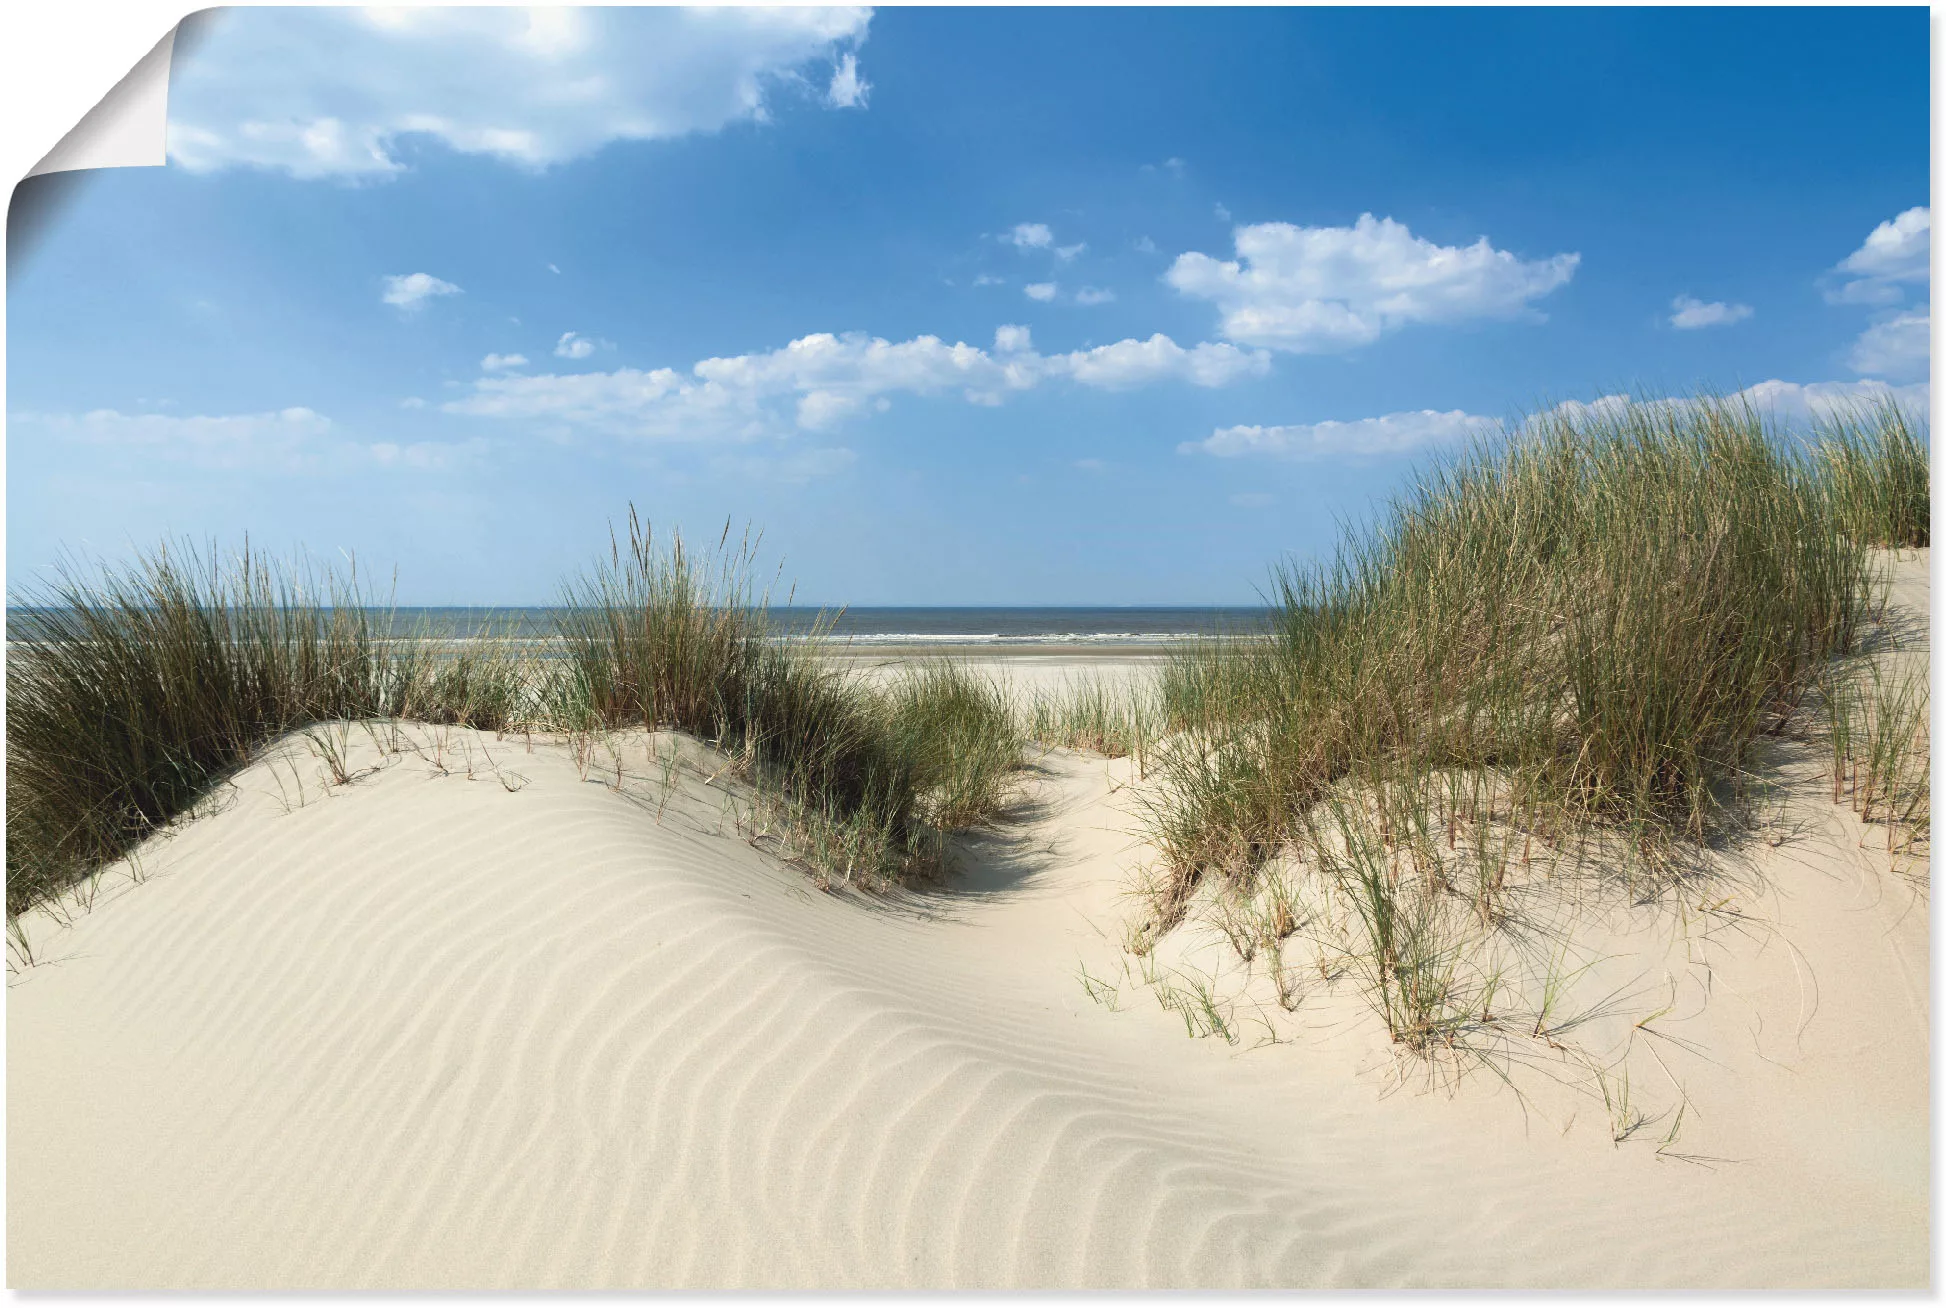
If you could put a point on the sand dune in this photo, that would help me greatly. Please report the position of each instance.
(530, 1028)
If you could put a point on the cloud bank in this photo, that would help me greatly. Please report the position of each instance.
(817, 382)
(1797, 403)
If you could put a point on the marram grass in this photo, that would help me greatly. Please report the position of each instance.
(1581, 633)
(134, 692)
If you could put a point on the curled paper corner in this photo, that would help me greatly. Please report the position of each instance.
(128, 128)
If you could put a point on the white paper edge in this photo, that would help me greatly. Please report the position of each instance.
(129, 128)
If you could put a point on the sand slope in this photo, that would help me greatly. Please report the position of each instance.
(531, 1029)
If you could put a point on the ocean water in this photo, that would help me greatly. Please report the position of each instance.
(906, 625)
(998, 626)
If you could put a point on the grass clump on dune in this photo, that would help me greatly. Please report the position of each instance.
(869, 779)
(1584, 631)
(131, 694)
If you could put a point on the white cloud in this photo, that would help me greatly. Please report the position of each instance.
(1898, 346)
(1897, 253)
(573, 345)
(330, 92)
(1143, 245)
(817, 382)
(1315, 289)
(1692, 313)
(1067, 253)
(1395, 433)
(1042, 291)
(1131, 363)
(411, 290)
(824, 409)
(1093, 295)
(1222, 212)
(848, 90)
(556, 271)
(1030, 236)
(988, 279)
(498, 362)
(412, 402)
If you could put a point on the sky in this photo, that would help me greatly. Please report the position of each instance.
(994, 306)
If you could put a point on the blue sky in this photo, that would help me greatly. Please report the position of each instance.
(957, 306)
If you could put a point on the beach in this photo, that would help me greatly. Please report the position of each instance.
(483, 1018)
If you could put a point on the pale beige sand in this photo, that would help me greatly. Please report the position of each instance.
(427, 1030)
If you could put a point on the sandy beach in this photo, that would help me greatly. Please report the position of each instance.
(481, 1019)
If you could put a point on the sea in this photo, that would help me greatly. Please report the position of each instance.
(907, 625)
(865, 626)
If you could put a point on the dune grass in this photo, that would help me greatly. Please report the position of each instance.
(1878, 474)
(134, 691)
(868, 779)
(130, 692)
(1584, 630)
(1877, 724)
(1091, 713)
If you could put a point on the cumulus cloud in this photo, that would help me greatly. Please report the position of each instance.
(573, 345)
(501, 362)
(1394, 433)
(1315, 289)
(988, 279)
(1067, 253)
(1043, 291)
(1897, 346)
(1030, 236)
(1896, 257)
(1131, 363)
(411, 290)
(1691, 313)
(331, 92)
(817, 382)
(1093, 295)
(1897, 253)
(847, 90)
